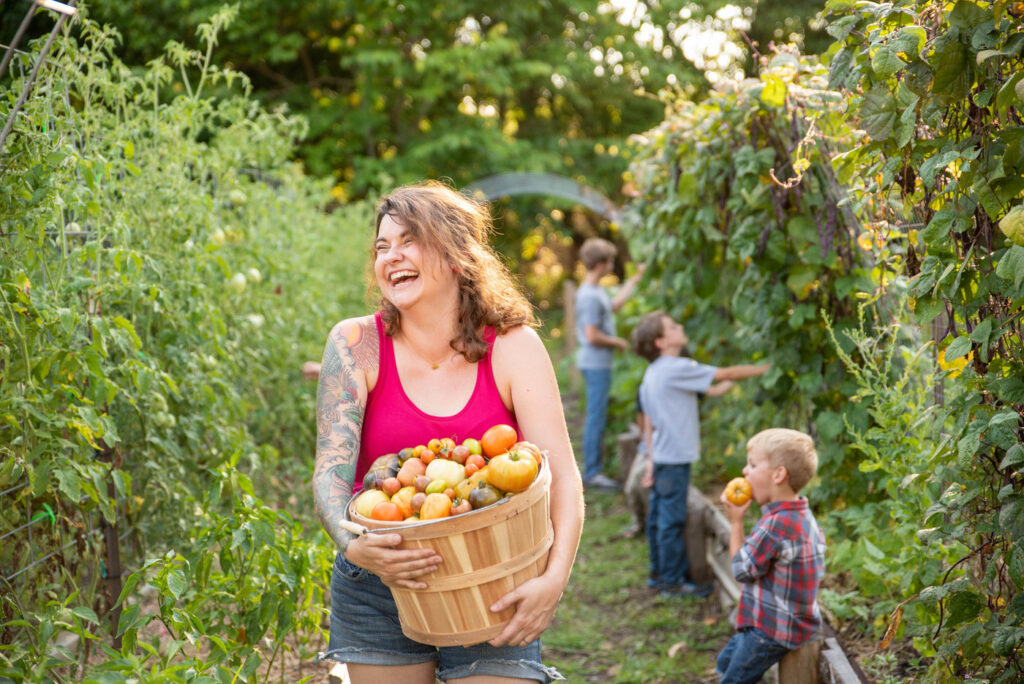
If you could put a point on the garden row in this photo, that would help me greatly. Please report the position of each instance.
(841, 222)
(164, 271)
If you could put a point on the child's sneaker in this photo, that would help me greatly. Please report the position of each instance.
(654, 582)
(687, 589)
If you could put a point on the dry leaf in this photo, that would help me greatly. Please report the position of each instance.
(894, 623)
(675, 648)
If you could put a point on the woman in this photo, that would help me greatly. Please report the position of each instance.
(451, 352)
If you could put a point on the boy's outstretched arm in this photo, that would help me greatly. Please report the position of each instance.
(719, 388)
(741, 372)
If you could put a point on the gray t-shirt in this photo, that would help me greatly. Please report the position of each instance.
(593, 307)
(669, 395)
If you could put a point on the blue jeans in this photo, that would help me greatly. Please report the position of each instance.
(667, 517)
(747, 656)
(598, 383)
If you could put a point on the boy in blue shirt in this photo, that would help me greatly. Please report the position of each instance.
(669, 392)
(595, 333)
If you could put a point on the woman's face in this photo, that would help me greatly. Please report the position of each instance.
(407, 271)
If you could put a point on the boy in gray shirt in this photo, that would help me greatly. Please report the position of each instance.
(669, 393)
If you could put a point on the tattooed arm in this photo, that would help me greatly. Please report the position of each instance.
(340, 404)
(351, 356)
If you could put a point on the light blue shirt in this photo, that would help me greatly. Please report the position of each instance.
(593, 307)
(668, 393)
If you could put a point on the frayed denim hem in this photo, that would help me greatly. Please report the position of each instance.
(373, 656)
(513, 669)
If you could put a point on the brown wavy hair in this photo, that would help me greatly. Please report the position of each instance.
(459, 227)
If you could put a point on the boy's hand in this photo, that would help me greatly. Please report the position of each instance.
(732, 511)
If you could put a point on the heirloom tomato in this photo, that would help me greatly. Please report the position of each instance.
(387, 510)
(367, 499)
(483, 495)
(498, 439)
(512, 472)
(738, 491)
(435, 506)
(403, 499)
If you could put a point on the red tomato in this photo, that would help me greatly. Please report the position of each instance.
(386, 510)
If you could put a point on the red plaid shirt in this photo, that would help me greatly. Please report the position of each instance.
(780, 566)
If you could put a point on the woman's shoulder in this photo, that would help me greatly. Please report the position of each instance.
(350, 330)
(519, 334)
(358, 337)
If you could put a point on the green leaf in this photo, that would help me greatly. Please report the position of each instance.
(918, 78)
(954, 70)
(176, 583)
(86, 613)
(1014, 455)
(909, 40)
(938, 227)
(885, 62)
(964, 606)
(878, 113)
(958, 348)
(1011, 265)
(982, 332)
(936, 163)
(1005, 640)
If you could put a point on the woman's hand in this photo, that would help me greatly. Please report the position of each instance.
(395, 567)
(535, 603)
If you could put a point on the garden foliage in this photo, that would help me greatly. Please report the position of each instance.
(164, 272)
(841, 285)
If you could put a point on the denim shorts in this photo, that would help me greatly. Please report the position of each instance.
(365, 630)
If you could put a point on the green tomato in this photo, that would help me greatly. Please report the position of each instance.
(237, 283)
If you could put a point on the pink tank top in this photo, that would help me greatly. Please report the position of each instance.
(392, 422)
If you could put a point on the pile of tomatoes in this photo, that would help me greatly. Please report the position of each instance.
(441, 478)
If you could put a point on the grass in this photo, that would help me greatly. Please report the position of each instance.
(611, 628)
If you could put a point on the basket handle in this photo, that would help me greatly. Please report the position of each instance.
(354, 528)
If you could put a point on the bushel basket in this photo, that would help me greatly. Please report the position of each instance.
(487, 553)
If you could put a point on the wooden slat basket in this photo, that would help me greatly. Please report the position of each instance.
(487, 553)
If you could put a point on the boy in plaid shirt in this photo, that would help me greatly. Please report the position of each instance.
(780, 564)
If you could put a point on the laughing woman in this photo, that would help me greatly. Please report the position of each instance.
(451, 351)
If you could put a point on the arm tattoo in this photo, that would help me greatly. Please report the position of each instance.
(339, 423)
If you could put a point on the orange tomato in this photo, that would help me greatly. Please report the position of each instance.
(435, 506)
(738, 491)
(475, 460)
(387, 510)
(498, 439)
(471, 468)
